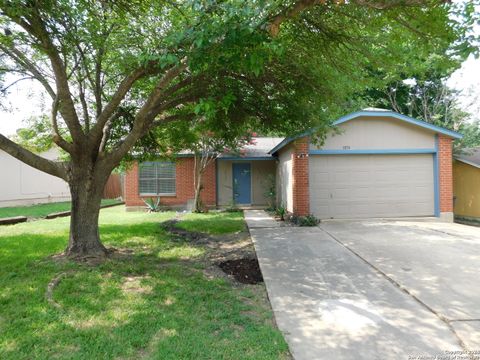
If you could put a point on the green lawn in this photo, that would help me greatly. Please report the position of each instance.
(213, 222)
(145, 305)
(42, 210)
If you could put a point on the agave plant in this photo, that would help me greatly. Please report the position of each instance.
(152, 205)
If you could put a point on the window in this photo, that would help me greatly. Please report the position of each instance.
(157, 178)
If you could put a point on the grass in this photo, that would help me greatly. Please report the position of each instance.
(42, 210)
(213, 223)
(147, 305)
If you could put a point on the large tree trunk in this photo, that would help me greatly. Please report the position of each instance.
(84, 241)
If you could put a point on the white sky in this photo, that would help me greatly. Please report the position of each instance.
(467, 80)
(25, 99)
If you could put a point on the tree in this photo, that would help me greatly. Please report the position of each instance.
(36, 136)
(428, 99)
(118, 71)
(471, 136)
(207, 145)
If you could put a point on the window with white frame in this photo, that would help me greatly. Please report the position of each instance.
(157, 178)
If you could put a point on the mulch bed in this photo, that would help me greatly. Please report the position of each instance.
(245, 271)
(243, 267)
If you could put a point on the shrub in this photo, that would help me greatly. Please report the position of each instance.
(281, 211)
(308, 220)
(152, 205)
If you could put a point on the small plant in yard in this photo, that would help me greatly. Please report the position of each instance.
(281, 211)
(152, 205)
(308, 220)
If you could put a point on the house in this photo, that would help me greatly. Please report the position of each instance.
(466, 180)
(21, 184)
(379, 164)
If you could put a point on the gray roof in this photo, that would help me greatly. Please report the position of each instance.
(260, 148)
(470, 156)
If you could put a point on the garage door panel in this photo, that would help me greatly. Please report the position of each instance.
(355, 186)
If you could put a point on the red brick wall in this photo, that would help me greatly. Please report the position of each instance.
(301, 196)
(184, 185)
(445, 163)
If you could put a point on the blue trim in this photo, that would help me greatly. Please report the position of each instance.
(372, 151)
(436, 180)
(251, 158)
(370, 113)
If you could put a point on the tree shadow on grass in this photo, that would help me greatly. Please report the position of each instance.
(148, 304)
(216, 224)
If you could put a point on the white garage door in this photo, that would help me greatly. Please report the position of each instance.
(362, 186)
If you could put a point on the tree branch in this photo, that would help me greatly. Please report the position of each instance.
(22, 60)
(29, 158)
(144, 117)
(122, 90)
(299, 6)
(4, 89)
(57, 137)
(36, 27)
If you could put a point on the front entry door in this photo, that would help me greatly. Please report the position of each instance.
(242, 184)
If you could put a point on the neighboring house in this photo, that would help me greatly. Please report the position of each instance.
(20, 184)
(466, 180)
(379, 164)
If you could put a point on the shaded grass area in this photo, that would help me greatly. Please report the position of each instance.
(152, 303)
(42, 210)
(213, 223)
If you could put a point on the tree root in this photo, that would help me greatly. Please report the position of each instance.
(91, 259)
(51, 286)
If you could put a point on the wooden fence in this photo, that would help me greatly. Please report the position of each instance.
(113, 188)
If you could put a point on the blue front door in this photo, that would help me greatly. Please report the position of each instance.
(242, 184)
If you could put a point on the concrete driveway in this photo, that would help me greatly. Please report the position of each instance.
(372, 289)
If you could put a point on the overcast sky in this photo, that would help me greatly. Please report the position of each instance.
(24, 99)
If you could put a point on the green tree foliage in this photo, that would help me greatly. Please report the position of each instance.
(471, 136)
(36, 135)
(117, 71)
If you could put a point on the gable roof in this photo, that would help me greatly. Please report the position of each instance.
(259, 149)
(470, 157)
(374, 112)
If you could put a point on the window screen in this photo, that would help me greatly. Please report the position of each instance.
(157, 178)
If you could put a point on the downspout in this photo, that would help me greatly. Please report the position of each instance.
(436, 177)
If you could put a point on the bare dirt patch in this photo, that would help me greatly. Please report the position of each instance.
(246, 271)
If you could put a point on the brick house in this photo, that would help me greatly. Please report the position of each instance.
(379, 164)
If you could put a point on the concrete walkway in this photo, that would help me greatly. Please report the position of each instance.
(259, 219)
(330, 304)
